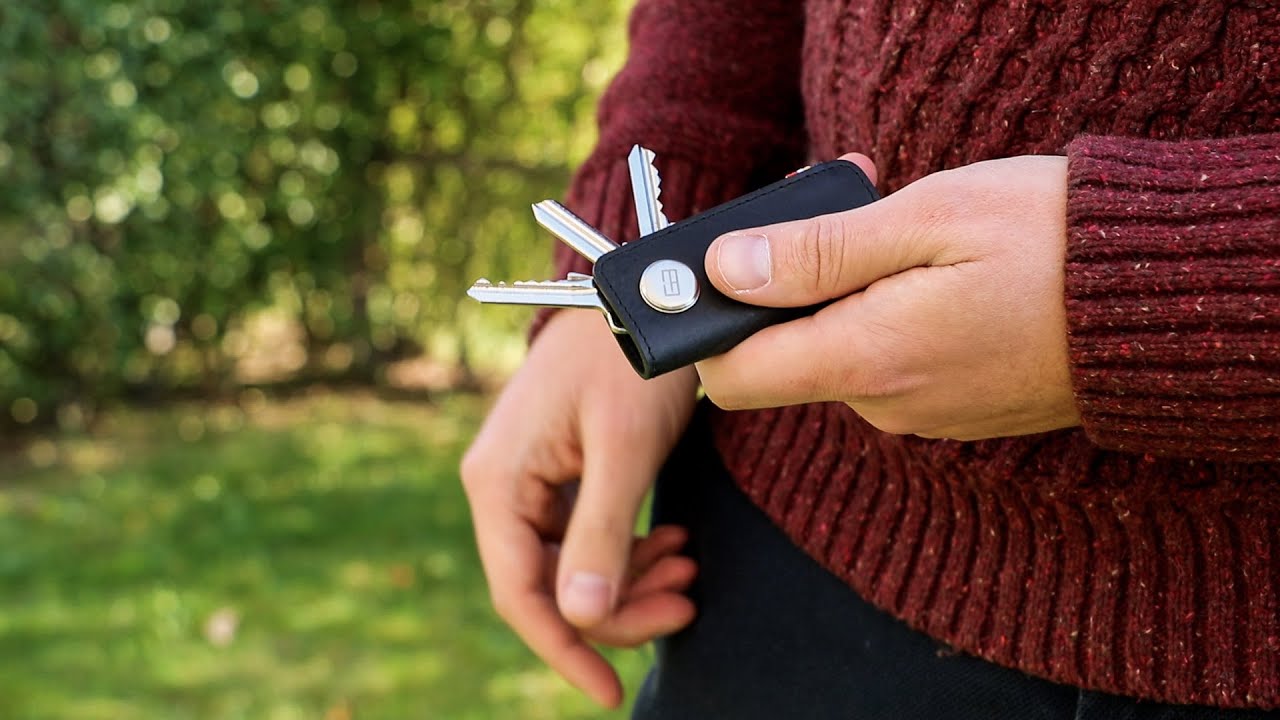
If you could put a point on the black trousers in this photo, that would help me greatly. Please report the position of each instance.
(779, 637)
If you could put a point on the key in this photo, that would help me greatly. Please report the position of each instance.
(572, 230)
(577, 291)
(654, 292)
(570, 293)
(646, 187)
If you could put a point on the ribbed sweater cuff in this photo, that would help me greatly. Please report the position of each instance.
(1173, 295)
(601, 195)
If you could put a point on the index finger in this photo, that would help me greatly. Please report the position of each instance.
(809, 359)
(869, 346)
(514, 559)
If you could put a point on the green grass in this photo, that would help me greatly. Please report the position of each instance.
(328, 537)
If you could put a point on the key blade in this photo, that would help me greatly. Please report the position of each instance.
(549, 293)
(572, 230)
(579, 291)
(646, 187)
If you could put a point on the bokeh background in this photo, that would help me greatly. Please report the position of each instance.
(237, 367)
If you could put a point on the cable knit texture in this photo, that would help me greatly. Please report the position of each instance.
(1139, 554)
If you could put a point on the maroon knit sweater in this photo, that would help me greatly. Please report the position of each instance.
(1139, 554)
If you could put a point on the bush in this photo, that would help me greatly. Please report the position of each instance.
(181, 169)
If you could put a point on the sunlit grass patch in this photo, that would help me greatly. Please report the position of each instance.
(310, 559)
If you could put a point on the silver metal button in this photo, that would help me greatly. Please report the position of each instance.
(669, 286)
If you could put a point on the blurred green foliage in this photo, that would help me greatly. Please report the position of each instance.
(177, 170)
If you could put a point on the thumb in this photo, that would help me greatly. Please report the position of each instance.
(805, 262)
(596, 550)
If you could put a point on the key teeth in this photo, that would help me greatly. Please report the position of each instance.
(644, 158)
(655, 181)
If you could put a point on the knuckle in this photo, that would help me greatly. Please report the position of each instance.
(882, 388)
(711, 374)
(866, 386)
(722, 396)
(876, 379)
(895, 426)
(469, 468)
(878, 382)
(726, 401)
(889, 422)
(949, 204)
(819, 257)
(503, 608)
(472, 468)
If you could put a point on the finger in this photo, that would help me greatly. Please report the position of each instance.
(551, 561)
(638, 621)
(646, 551)
(659, 543)
(514, 558)
(566, 651)
(596, 551)
(546, 507)
(864, 163)
(805, 262)
(805, 360)
(865, 347)
(654, 604)
(673, 573)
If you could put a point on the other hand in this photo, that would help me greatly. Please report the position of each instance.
(555, 480)
(948, 321)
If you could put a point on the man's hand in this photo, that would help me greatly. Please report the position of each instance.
(949, 319)
(556, 478)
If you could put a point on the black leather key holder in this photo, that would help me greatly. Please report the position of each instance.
(657, 288)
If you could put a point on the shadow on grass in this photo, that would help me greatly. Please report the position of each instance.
(316, 561)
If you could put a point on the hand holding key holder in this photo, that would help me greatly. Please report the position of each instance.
(654, 292)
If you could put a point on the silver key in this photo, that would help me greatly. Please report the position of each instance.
(572, 230)
(578, 291)
(646, 186)
(575, 293)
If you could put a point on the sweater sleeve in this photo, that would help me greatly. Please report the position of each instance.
(714, 91)
(1173, 295)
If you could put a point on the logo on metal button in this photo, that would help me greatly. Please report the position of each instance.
(669, 286)
(670, 282)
